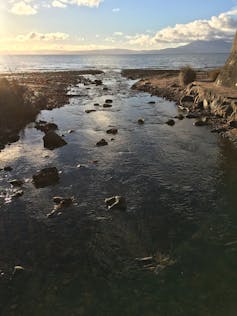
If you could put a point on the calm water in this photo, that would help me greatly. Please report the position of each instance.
(181, 187)
(58, 62)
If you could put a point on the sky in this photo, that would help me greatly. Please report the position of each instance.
(48, 26)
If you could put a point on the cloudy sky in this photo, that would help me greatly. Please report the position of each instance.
(28, 26)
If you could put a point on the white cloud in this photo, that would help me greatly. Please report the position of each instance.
(85, 3)
(35, 36)
(58, 4)
(116, 10)
(23, 8)
(118, 34)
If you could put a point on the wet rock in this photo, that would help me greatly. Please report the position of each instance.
(16, 182)
(13, 138)
(233, 124)
(98, 82)
(8, 168)
(102, 142)
(52, 140)
(46, 177)
(141, 121)
(60, 204)
(179, 117)
(70, 131)
(18, 270)
(193, 115)
(90, 111)
(18, 194)
(186, 99)
(151, 102)
(219, 130)
(45, 127)
(105, 89)
(116, 202)
(107, 105)
(145, 260)
(170, 122)
(96, 104)
(2, 146)
(112, 131)
(108, 101)
(200, 123)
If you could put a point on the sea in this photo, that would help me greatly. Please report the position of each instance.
(26, 63)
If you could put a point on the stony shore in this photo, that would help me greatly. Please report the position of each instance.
(202, 100)
(48, 91)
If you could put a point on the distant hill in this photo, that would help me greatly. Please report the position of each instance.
(198, 47)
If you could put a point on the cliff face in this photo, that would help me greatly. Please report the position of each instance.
(228, 75)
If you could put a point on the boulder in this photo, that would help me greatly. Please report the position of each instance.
(116, 202)
(141, 121)
(52, 140)
(170, 122)
(112, 131)
(46, 177)
(102, 142)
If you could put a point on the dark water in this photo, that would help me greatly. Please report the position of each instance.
(180, 184)
(116, 62)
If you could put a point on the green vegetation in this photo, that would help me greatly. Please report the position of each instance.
(186, 75)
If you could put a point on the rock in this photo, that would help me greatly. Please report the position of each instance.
(45, 127)
(116, 202)
(170, 122)
(219, 130)
(151, 102)
(18, 193)
(233, 124)
(96, 104)
(200, 123)
(102, 142)
(112, 131)
(193, 115)
(179, 117)
(52, 140)
(141, 121)
(2, 146)
(108, 101)
(90, 111)
(46, 177)
(13, 138)
(8, 168)
(18, 270)
(70, 131)
(98, 82)
(145, 260)
(16, 183)
(107, 105)
(61, 203)
(186, 99)
(105, 89)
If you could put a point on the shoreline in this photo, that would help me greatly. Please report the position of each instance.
(202, 100)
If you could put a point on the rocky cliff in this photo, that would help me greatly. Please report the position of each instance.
(228, 74)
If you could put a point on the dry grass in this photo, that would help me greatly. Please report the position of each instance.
(186, 75)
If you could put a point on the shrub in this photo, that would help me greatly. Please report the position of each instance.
(16, 104)
(213, 74)
(186, 75)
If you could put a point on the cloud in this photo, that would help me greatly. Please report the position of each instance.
(58, 4)
(116, 10)
(31, 7)
(118, 34)
(222, 26)
(23, 8)
(35, 36)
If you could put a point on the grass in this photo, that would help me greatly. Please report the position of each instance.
(187, 75)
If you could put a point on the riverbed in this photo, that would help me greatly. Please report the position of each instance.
(180, 185)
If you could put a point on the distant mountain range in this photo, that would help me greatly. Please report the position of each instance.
(197, 47)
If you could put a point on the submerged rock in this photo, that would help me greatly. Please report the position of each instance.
(116, 202)
(60, 204)
(52, 140)
(46, 177)
(112, 131)
(179, 117)
(107, 105)
(45, 127)
(8, 168)
(170, 122)
(102, 142)
(16, 182)
(90, 111)
(141, 121)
